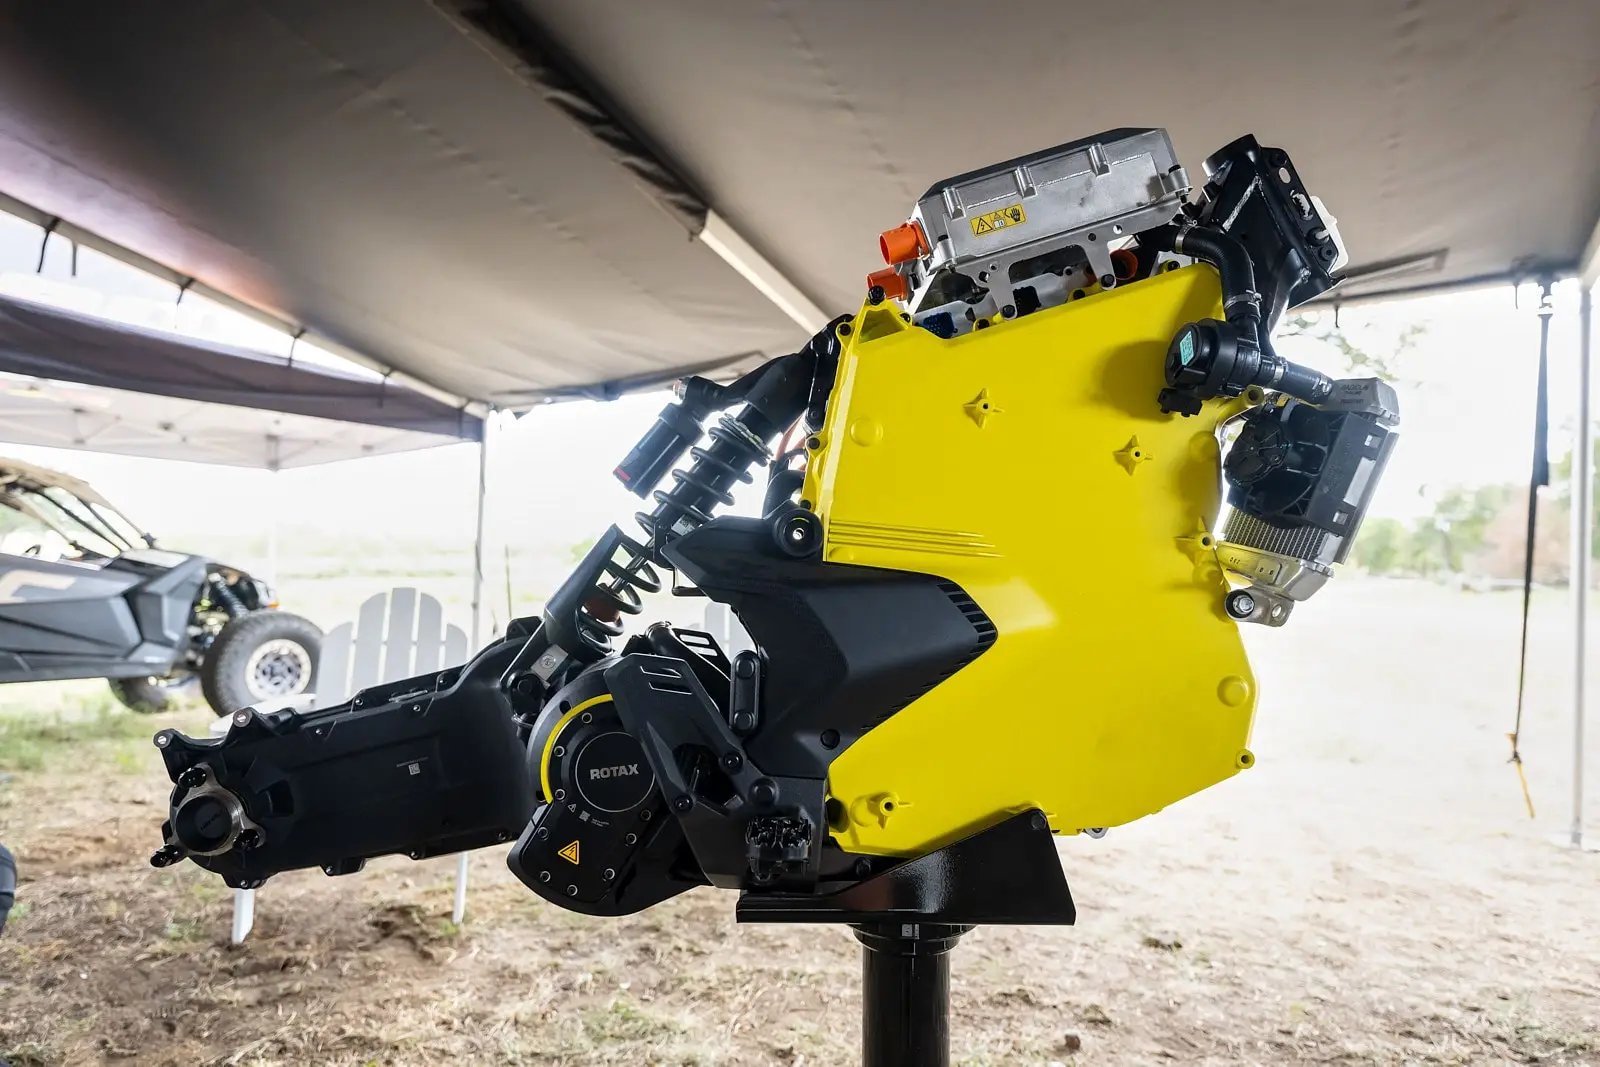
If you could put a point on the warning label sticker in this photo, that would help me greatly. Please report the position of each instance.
(998, 220)
(569, 853)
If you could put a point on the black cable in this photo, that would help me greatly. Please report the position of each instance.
(1540, 477)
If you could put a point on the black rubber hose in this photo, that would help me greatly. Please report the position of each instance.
(1241, 303)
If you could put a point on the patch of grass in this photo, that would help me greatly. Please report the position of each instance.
(19, 912)
(622, 1020)
(182, 930)
(32, 741)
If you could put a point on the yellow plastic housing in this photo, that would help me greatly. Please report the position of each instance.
(1029, 463)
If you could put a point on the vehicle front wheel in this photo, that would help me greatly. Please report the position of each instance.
(150, 696)
(262, 656)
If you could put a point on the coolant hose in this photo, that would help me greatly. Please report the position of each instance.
(1241, 304)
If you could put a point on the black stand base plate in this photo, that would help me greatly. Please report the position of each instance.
(909, 918)
(1007, 874)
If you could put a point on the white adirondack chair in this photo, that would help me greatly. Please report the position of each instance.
(398, 634)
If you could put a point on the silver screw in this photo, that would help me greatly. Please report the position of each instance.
(1244, 604)
(241, 718)
(163, 740)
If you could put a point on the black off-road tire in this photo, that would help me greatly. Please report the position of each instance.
(147, 696)
(225, 675)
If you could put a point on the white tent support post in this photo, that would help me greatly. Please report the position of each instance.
(477, 544)
(1582, 546)
(458, 910)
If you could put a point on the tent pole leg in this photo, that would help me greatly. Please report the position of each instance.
(1582, 547)
(477, 544)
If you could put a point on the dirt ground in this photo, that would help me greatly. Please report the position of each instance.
(1371, 892)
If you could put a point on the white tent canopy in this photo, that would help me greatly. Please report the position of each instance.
(495, 198)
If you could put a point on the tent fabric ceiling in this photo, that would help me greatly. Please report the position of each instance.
(72, 381)
(49, 343)
(97, 419)
(365, 169)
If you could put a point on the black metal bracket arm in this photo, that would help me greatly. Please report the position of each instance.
(768, 828)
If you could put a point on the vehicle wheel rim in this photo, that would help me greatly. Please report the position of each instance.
(278, 668)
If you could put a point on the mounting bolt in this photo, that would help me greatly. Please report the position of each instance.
(544, 876)
(247, 840)
(525, 685)
(572, 890)
(1009, 311)
(631, 839)
(166, 856)
(541, 833)
(1108, 281)
(608, 874)
(241, 718)
(830, 739)
(683, 804)
(764, 791)
(875, 295)
(863, 867)
(1239, 604)
(415, 853)
(744, 722)
(193, 778)
(1038, 821)
(163, 739)
(732, 761)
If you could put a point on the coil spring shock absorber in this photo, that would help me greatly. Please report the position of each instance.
(222, 594)
(696, 491)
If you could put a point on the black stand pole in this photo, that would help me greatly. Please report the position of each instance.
(905, 993)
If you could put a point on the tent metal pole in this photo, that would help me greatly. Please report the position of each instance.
(477, 543)
(458, 910)
(1582, 547)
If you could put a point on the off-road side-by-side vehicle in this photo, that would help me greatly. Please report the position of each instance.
(85, 593)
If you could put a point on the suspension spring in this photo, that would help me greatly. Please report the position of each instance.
(696, 492)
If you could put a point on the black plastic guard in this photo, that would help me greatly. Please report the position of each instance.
(1009, 873)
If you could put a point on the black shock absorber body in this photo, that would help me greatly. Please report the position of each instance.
(583, 616)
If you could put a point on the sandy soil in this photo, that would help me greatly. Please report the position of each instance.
(1371, 892)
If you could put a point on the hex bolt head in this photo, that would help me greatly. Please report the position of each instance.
(683, 804)
(1240, 604)
(732, 761)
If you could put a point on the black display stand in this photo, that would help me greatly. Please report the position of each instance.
(909, 918)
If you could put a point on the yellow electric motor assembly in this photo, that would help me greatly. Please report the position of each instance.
(1028, 463)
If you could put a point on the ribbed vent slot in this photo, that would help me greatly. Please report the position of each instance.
(981, 624)
(1306, 542)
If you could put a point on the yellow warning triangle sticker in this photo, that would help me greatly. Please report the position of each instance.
(982, 225)
(570, 853)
